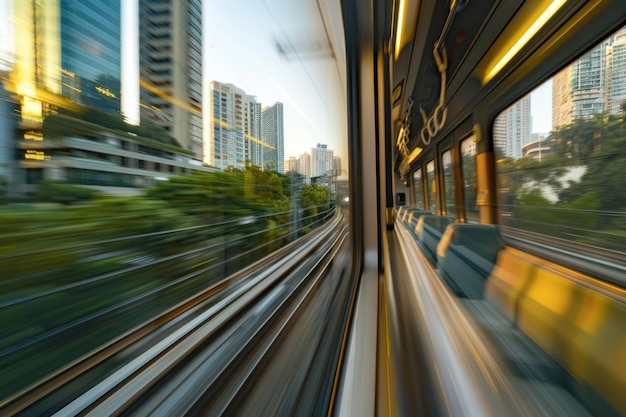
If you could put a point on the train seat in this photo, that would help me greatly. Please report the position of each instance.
(582, 327)
(413, 219)
(466, 255)
(429, 230)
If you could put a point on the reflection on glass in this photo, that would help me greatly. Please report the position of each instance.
(566, 180)
(470, 184)
(448, 183)
(432, 186)
(418, 186)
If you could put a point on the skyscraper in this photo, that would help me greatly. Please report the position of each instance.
(8, 124)
(561, 99)
(67, 47)
(235, 127)
(90, 53)
(304, 166)
(593, 84)
(171, 68)
(337, 165)
(616, 72)
(579, 90)
(587, 80)
(321, 160)
(273, 134)
(512, 128)
(291, 164)
(252, 132)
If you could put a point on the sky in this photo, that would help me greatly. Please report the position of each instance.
(242, 46)
(541, 108)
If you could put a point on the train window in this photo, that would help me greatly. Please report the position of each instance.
(560, 152)
(470, 185)
(96, 102)
(432, 186)
(448, 183)
(418, 186)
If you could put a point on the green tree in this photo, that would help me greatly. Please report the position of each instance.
(605, 175)
(517, 177)
(314, 195)
(63, 193)
(315, 201)
(578, 140)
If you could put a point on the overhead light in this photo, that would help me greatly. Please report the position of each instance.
(399, 27)
(406, 21)
(523, 40)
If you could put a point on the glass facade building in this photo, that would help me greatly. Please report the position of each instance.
(90, 53)
(170, 51)
(274, 135)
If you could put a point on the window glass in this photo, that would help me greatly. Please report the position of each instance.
(560, 152)
(148, 150)
(432, 186)
(448, 183)
(418, 186)
(470, 185)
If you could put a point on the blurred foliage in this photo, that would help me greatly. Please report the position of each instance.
(590, 209)
(63, 193)
(92, 123)
(229, 194)
(4, 190)
(233, 194)
(314, 195)
(518, 176)
(315, 201)
(147, 128)
(578, 140)
(128, 258)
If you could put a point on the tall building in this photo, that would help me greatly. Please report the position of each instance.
(593, 84)
(235, 127)
(8, 125)
(69, 48)
(512, 128)
(587, 80)
(321, 160)
(579, 91)
(291, 164)
(70, 52)
(170, 48)
(90, 53)
(67, 54)
(561, 99)
(616, 72)
(252, 131)
(273, 134)
(304, 166)
(337, 165)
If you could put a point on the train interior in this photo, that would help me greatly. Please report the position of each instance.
(442, 82)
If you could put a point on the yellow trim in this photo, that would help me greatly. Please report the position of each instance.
(530, 31)
(399, 27)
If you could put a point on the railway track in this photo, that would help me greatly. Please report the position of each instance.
(220, 351)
